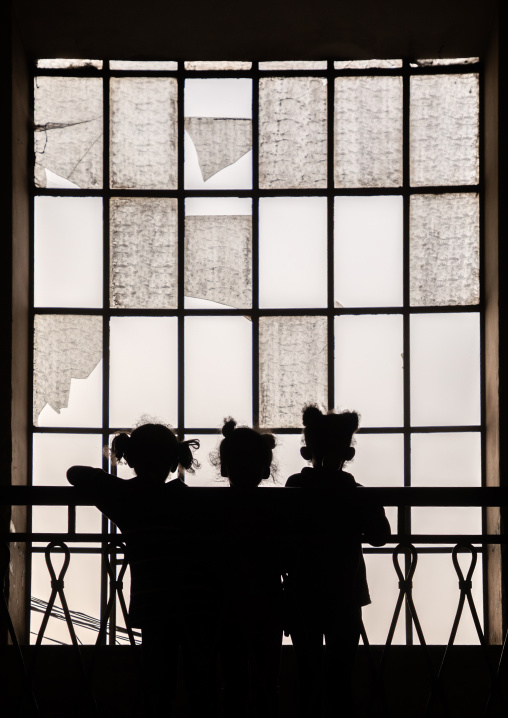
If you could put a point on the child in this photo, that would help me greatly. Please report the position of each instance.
(173, 599)
(327, 582)
(251, 633)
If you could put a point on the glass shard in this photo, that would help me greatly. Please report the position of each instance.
(144, 254)
(292, 132)
(293, 368)
(219, 142)
(149, 66)
(144, 133)
(218, 259)
(65, 347)
(68, 131)
(368, 131)
(444, 130)
(366, 64)
(444, 250)
(447, 61)
(64, 63)
(294, 65)
(199, 65)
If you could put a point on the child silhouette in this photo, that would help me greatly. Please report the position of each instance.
(326, 578)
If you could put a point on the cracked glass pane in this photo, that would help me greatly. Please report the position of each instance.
(293, 368)
(218, 259)
(144, 253)
(444, 130)
(66, 348)
(68, 132)
(149, 66)
(444, 250)
(366, 64)
(63, 63)
(292, 132)
(219, 142)
(294, 65)
(368, 131)
(144, 132)
(225, 65)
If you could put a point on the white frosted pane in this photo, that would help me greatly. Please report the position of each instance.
(445, 249)
(447, 61)
(446, 520)
(144, 253)
(292, 132)
(68, 131)
(366, 64)
(218, 370)
(219, 142)
(68, 252)
(436, 596)
(384, 591)
(294, 65)
(218, 259)
(142, 65)
(143, 132)
(444, 130)
(207, 474)
(293, 368)
(200, 65)
(63, 63)
(218, 205)
(445, 369)
(224, 97)
(143, 370)
(287, 456)
(368, 131)
(368, 368)
(292, 252)
(66, 347)
(368, 251)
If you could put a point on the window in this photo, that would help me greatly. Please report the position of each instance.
(216, 239)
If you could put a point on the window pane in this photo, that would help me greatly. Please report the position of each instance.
(68, 132)
(142, 65)
(447, 61)
(436, 596)
(293, 368)
(444, 130)
(143, 133)
(384, 591)
(143, 366)
(218, 140)
(368, 368)
(287, 456)
(445, 251)
(68, 252)
(292, 132)
(445, 369)
(144, 253)
(292, 252)
(294, 65)
(366, 64)
(62, 63)
(210, 66)
(368, 131)
(67, 375)
(207, 474)
(218, 370)
(368, 251)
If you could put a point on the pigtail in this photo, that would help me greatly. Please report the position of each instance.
(185, 457)
(311, 415)
(120, 447)
(229, 427)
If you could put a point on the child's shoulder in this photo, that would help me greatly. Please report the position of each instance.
(302, 479)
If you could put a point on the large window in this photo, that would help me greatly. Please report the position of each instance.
(215, 239)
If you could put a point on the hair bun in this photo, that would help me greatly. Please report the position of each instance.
(352, 420)
(120, 445)
(311, 414)
(229, 427)
(269, 440)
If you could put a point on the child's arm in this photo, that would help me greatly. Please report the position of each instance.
(99, 487)
(375, 526)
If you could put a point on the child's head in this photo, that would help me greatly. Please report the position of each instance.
(154, 451)
(328, 437)
(245, 455)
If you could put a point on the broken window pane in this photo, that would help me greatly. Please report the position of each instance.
(218, 259)
(219, 142)
(368, 131)
(144, 254)
(444, 250)
(292, 252)
(368, 368)
(294, 65)
(292, 132)
(293, 368)
(366, 64)
(68, 252)
(142, 65)
(444, 130)
(67, 347)
(143, 370)
(445, 369)
(368, 237)
(68, 131)
(218, 370)
(447, 61)
(144, 132)
(63, 63)
(225, 65)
